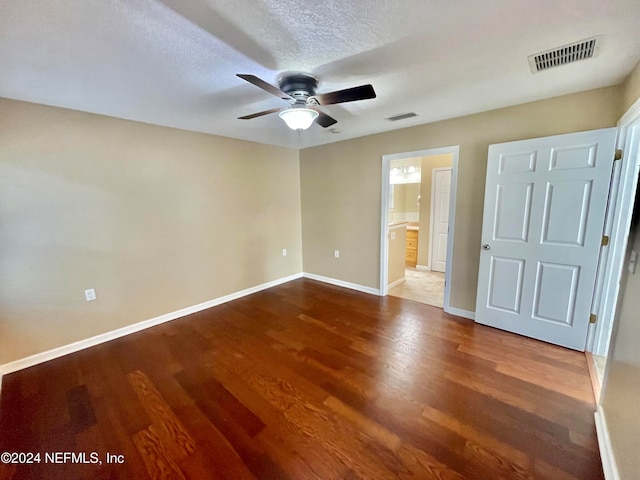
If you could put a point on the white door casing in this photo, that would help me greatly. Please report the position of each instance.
(617, 226)
(439, 224)
(545, 202)
(454, 151)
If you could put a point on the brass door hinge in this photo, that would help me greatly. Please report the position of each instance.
(617, 155)
(593, 318)
(605, 240)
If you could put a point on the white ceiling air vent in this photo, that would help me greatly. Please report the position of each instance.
(562, 55)
(401, 116)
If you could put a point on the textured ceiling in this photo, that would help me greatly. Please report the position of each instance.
(173, 62)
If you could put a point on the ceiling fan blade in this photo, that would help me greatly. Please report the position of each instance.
(323, 119)
(259, 114)
(267, 87)
(363, 92)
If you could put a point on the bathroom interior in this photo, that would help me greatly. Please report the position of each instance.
(418, 229)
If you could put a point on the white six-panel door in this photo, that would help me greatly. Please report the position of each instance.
(440, 193)
(544, 209)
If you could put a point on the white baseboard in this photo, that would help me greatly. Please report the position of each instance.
(341, 283)
(606, 451)
(396, 283)
(458, 312)
(136, 327)
(425, 268)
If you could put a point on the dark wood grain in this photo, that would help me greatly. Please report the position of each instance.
(309, 381)
(80, 408)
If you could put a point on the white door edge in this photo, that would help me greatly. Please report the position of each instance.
(431, 211)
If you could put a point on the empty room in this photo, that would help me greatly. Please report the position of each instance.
(207, 209)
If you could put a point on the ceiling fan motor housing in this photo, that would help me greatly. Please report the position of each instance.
(299, 86)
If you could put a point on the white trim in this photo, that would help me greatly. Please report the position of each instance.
(384, 214)
(596, 386)
(136, 327)
(342, 283)
(429, 253)
(619, 212)
(397, 282)
(425, 268)
(431, 209)
(633, 113)
(609, 464)
(384, 225)
(458, 312)
(452, 223)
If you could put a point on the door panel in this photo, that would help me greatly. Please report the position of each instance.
(441, 248)
(505, 286)
(441, 185)
(522, 162)
(545, 202)
(513, 209)
(555, 292)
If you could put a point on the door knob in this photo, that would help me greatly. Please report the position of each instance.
(486, 246)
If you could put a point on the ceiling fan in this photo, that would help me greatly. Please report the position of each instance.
(300, 90)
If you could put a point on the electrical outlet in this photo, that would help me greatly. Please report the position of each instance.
(393, 235)
(284, 252)
(336, 253)
(90, 294)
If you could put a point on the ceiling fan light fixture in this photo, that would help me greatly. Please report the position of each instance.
(298, 118)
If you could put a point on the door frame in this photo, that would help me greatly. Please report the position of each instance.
(619, 211)
(431, 210)
(384, 215)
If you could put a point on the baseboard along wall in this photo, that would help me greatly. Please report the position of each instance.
(609, 465)
(136, 327)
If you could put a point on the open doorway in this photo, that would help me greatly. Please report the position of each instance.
(418, 212)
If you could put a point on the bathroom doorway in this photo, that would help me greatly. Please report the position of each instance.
(417, 231)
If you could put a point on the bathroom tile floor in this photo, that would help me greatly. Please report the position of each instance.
(421, 286)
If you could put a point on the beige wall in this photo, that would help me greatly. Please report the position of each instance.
(631, 88)
(411, 192)
(341, 183)
(427, 166)
(619, 400)
(405, 199)
(399, 199)
(155, 219)
(397, 249)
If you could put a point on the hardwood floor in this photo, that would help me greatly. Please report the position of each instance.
(307, 381)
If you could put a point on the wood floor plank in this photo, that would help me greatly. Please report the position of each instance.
(165, 426)
(157, 458)
(80, 408)
(309, 381)
(365, 425)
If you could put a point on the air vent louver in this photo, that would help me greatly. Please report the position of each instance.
(563, 55)
(402, 116)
